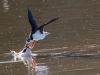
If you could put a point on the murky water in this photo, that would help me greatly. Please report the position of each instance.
(73, 46)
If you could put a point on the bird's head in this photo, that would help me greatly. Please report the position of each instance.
(28, 41)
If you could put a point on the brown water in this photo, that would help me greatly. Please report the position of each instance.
(73, 46)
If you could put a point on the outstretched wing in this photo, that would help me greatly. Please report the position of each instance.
(42, 26)
(32, 21)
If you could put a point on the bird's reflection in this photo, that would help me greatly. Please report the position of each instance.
(29, 61)
(5, 5)
(32, 69)
(39, 70)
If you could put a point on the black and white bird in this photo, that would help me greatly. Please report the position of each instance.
(26, 56)
(37, 33)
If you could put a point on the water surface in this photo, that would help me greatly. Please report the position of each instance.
(73, 46)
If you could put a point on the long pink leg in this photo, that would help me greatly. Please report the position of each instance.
(32, 44)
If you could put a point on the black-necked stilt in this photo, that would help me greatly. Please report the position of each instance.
(37, 33)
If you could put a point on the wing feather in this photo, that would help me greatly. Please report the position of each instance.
(32, 21)
(42, 26)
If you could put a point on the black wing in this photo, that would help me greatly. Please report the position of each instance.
(32, 21)
(42, 26)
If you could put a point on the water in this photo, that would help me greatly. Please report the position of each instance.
(73, 46)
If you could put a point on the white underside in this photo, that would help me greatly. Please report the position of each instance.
(26, 56)
(38, 36)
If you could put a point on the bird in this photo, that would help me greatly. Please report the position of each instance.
(26, 56)
(37, 33)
